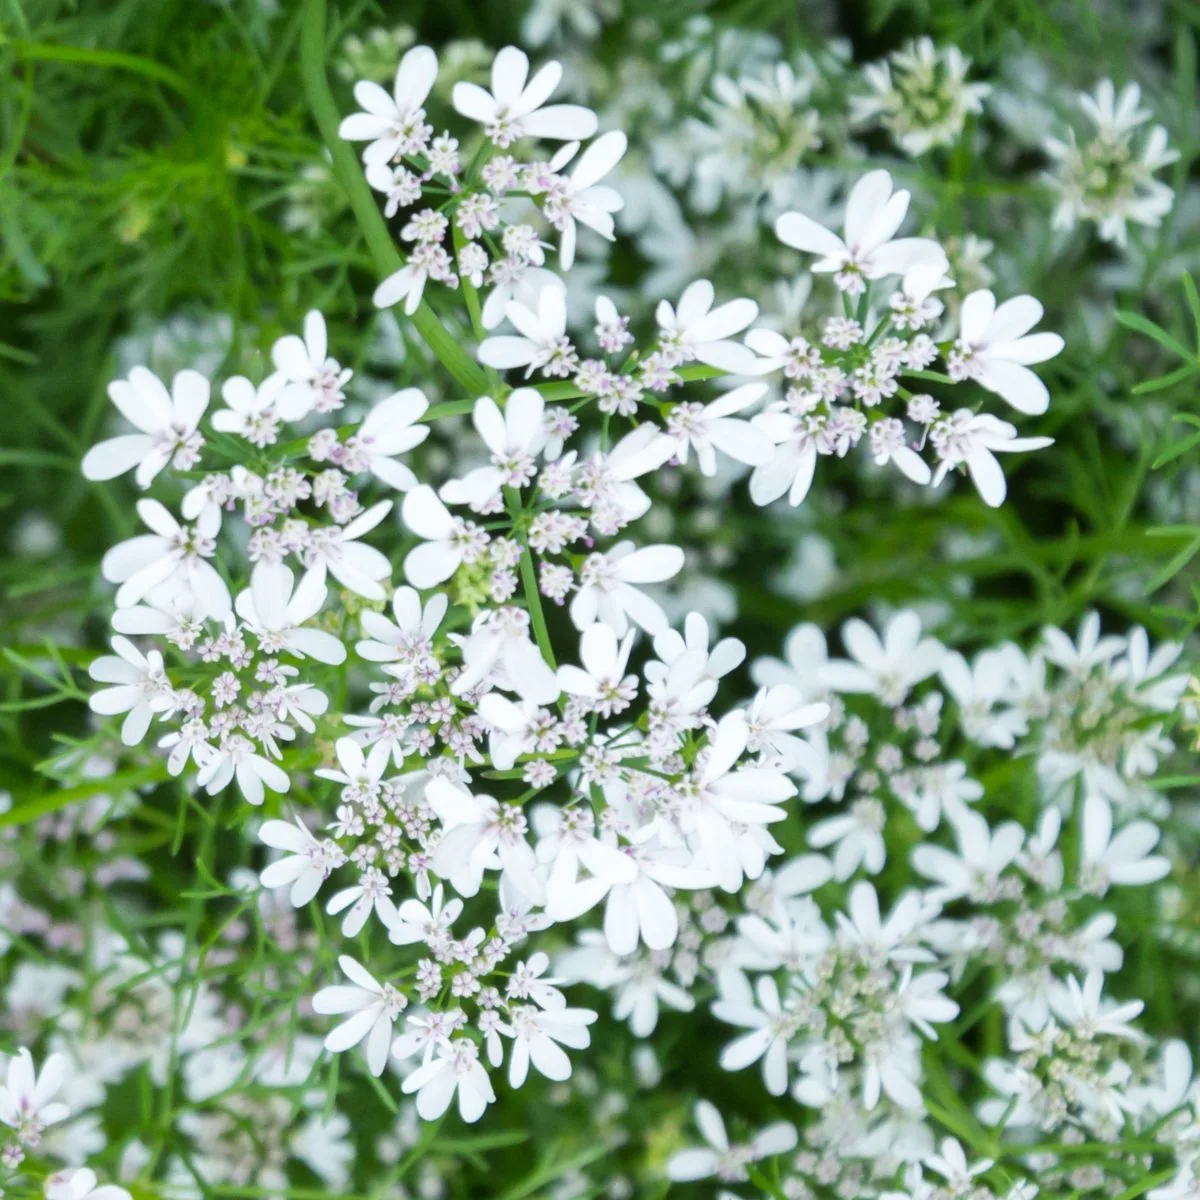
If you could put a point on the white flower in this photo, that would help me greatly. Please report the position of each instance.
(397, 183)
(870, 249)
(770, 1028)
(389, 429)
(893, 939)
(168, 425)
(172, 553)
(80, 1184)
(888, 445)
(795, 936)
(1124, 859)
(514, 108)
(792, 466)
(640, 910)
(168, 611)
(372, 894)
(299, 703)
(373, 1009)
(983, 854)
(1114, 115)
(1083, 1008)
(542, 344)
(637, 907)
(566, 841)
(323, 1145)
(1145, 672)
(449, 542)
(515, 437)
(142, 688)
(580, 198)
(697, 331)
(549, 19)
(670, 646)
(407, 284)
(802, 668)
(602, 679)
(922, 1002)
(977, 689)
(614, 499)
(311, 379)
(774, 715)
(513, 728)
(1091, 651)
(360, 773)
(499, 650)
(887, 668)
(251, 413)
(606, 592)
(638, 982)
(711, 427)
(727, 1162)
(920, 94)
(953, 1167)
(456, 1068)
(974, 439)
(235, 759)
(1109, 179)
(411, 637)
(530, 981)
(537, 1035)
(416, 922)
(721, 798)
(940, 787)
(858, 835)
(358, 567)
(394, 125)
(915, 306)
(480, 834)
(275, 612)
(27, 1103)
(307, 864)
(995, 348)
(523, 285)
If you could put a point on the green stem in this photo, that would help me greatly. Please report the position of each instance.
(347, 171)
(568, 391)
(533, 601)
(469, 293)
(533, 598)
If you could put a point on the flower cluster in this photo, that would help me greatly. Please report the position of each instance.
(463, 660)
(838, 386)
(1109, 178)
(28, 1107)
(921, 96)
(472, 203)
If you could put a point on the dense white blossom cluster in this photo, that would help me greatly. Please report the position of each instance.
(1109, 178)
(504, 770)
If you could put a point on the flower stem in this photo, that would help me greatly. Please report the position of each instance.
(533, 599)
(468, 289)
(374, 229)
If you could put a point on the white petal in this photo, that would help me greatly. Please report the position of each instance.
(803, 233)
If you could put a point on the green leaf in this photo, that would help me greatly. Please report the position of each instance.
(31, 810)
(1193, 303)
(1147, 328)
(1165, 381)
